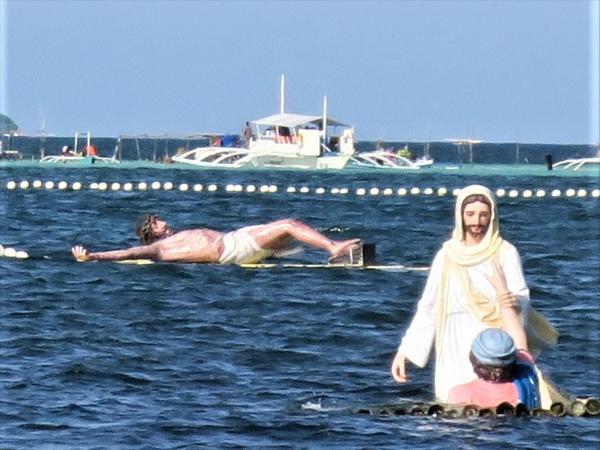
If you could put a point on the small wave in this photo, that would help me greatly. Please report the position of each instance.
(44, 426)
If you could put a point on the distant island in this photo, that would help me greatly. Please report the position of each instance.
(7, 125)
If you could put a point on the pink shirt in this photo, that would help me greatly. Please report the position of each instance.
(487, 394)
(484, 394)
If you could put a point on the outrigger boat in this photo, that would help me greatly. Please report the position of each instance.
(577, 164)
(73, 156)
(385, 159)
(283, 140)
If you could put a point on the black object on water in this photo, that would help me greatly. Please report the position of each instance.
(368, 254)
(417, 411)
(558, 409)
(435, 410)
(506, 409)
(592, 406)
(522, 411)
(548, 159)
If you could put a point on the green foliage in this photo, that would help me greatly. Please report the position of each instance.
(7, 125)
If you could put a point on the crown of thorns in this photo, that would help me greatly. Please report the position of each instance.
(143, 227)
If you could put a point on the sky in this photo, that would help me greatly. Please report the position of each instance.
(500, 71)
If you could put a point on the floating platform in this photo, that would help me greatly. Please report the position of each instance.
(580, 407)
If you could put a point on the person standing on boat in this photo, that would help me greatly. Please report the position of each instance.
(465, 294)
(202, 245)
(247, 135)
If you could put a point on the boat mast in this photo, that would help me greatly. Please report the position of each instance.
(282, 95)
(325, 120)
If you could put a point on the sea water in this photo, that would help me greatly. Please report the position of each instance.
(104, 355)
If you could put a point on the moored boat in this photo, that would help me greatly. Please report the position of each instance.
(283, 140)
(72, 155)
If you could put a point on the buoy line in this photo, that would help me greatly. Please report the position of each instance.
(9, 252)
(231, 188)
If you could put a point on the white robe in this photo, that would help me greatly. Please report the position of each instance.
(452, 362)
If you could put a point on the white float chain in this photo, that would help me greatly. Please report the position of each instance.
(271, 189)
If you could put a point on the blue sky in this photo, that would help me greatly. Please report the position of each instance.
(499, 71)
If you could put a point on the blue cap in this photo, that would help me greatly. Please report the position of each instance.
(494, 347)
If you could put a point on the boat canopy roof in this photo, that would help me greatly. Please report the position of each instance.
(296, 120)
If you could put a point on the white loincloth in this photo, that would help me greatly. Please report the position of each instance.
(241, 248)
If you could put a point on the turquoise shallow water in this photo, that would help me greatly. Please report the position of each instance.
(178, 356)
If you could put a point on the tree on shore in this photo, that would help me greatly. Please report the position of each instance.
(7, 125)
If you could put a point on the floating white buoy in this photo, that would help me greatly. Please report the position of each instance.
(527, 193)
(272, 189)
(513, 193)
(198, 188)
(264, 188)
(49, 185)
(320, 190)
(402, 191)
(335, 191)
(250, 188)
(428, 191)
(581, 193)
(183, 187)
(62, 185)
(229, 188)
(128, 187)
(93, 186)
(361, 191)
(442, 191)
(291, 189)
(555, 193)
(168, 186)
(388, 191)
(540, 193)
(142, 186)
(500, 193)
(239, 188)
(115, 186)
(570, 192)
(37, 184)
(304, 190)
(212, 188)
(11, 185)
(9, 252)
(343, 191)
(76, 186)
(415, 191)
(102, 186)
(24, 184)
(374, 191)
(155, 185)
(596, 193)
(456, 192)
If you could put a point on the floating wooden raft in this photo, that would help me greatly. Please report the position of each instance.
(580, 407)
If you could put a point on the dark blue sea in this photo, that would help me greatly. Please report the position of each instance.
(105, 355)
